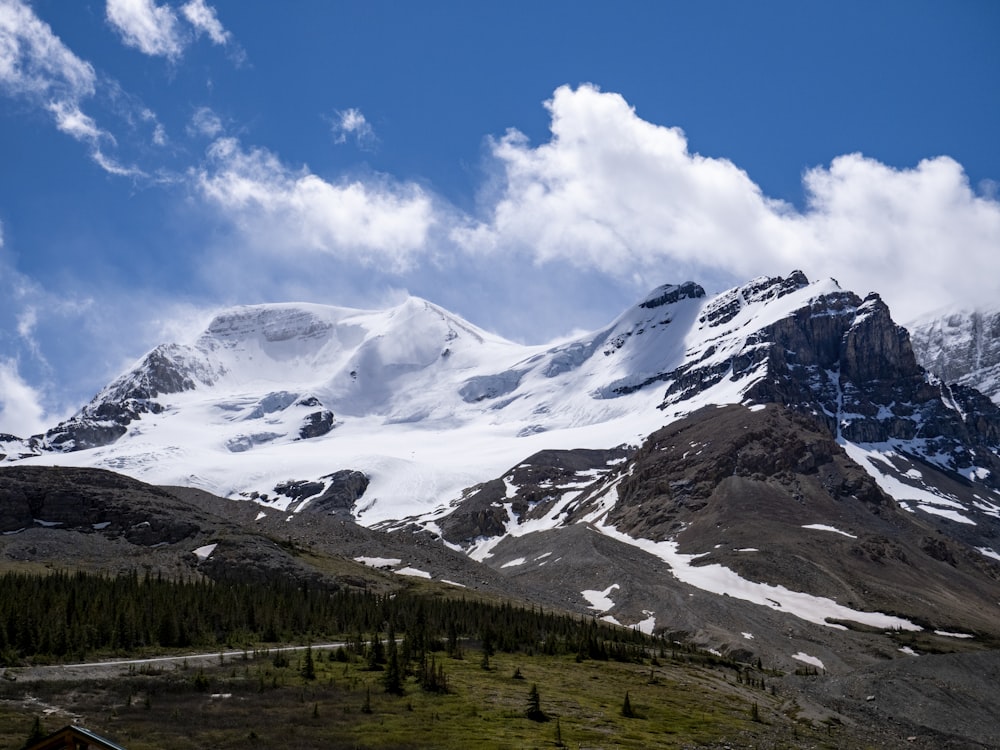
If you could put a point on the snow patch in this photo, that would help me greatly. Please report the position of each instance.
(806, 658)
(414, 572)
(953, 635)
(646, 626)
(203, 553)
(378, 562)
(721, 580)
(824, 527)
(600, 600)
(514, 563)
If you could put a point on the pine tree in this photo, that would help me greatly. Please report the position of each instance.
(376, 654)
(393, 678)
(308, 665)
(534, 710)
(36, 733)
(627, 711)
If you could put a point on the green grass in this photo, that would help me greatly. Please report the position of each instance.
(685, 705)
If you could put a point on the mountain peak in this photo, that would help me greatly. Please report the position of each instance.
(670, 293)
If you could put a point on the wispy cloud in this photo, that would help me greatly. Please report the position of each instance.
(33, 60)
(36, 66)
(373, 222)
(158, 31)
(204, 122)
(205, 20)
(150, 28)
(351, 124)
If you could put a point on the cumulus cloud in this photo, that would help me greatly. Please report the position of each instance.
(373, 222)
(351, 123)
(150, 28)
(614, 193)
(21, 411)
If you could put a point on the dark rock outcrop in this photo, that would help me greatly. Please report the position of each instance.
(332, 494)
(317, 424)
(844, 359)
(528, 491)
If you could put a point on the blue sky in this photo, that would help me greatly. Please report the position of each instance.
(534, 167)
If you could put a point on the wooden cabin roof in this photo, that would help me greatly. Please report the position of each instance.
(73, 737)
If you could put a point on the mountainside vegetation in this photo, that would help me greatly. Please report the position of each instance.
(60, 616)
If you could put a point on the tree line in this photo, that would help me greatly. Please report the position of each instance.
(64, 615)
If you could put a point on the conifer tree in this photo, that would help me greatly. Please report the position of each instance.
(376, 654)
(534, 710)
(308, 665)
(36, 733)
(627, 711)
(393, 679)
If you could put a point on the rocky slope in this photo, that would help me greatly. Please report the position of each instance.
(961, 347)
(90, 519)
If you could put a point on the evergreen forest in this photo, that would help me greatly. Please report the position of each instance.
(74, 616)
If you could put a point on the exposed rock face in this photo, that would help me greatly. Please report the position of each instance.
(726, 480)
(170, 368)
(844, 359)
(15, 448)
(962, 347)
(528, 491)
(671, 293)
(316, 424)
(333, 494)
(343, 489)
(680, 467)
(88, 501)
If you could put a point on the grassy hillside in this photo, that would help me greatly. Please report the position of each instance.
(677, 701)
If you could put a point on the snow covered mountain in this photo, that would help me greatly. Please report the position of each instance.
(777, 443)
(961, 347)
(426, 404)
(422, 402)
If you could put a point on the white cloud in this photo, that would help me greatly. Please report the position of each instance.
(351, 123)
(612, 192)
(26, 322)
(37, 66)
(205, 122)
(35, 62)
(150, 28)
(21, 412)
(156, 30)
(204, 20)
(73, 122)
(921, 237)
(373, 222)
